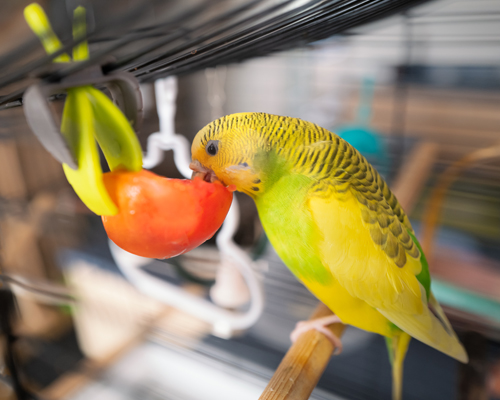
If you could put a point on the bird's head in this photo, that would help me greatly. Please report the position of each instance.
(228, 150)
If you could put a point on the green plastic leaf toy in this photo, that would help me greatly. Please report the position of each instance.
(89, 115)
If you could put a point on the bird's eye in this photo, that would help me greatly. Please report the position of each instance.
(212, 147)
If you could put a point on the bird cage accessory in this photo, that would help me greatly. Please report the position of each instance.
(236, 272)
(88, 115)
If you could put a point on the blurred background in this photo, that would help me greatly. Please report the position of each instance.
(414, 85)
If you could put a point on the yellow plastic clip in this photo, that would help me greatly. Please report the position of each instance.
(89, 115)
(40, 25)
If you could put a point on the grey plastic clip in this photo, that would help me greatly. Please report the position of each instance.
(124, 90)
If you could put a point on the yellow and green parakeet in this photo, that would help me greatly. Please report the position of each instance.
(334, 222)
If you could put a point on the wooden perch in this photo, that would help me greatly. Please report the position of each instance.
(413, 174)
(303, 364)
(305, 361)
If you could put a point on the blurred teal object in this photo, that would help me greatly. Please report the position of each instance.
(466, 300)
(366, 140)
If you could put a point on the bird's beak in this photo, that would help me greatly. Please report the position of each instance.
(204, 173)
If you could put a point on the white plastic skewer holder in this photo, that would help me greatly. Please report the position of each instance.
(237, 273)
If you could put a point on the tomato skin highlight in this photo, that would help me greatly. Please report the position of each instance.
(161, 217)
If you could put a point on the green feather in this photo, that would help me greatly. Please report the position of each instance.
(287, 220)
(424, 277)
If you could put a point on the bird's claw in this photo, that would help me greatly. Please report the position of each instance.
(319, 324)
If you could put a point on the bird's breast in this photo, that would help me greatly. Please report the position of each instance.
(288, 223)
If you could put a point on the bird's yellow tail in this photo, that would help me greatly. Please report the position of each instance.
(397, 347)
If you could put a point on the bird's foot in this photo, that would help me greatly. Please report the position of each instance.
(319, 324)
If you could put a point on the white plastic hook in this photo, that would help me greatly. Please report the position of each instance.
(224, 322)
(166, 138)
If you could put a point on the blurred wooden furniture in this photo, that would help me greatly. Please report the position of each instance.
(458, 120)
(112, 317)
(474, 383)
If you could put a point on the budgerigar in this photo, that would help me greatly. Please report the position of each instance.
(334, 222)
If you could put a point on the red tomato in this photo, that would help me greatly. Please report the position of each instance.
(160, 217)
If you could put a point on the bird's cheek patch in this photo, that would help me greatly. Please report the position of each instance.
(238, 168)
(239, 174)
(242, 177)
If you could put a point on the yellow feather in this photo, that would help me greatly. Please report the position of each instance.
(360, 266)
(429, 330)
(366, 273)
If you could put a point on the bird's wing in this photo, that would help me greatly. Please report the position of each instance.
(347, 172)
(370, 248)
(431, 326)
(360, 264)
(366, 232)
